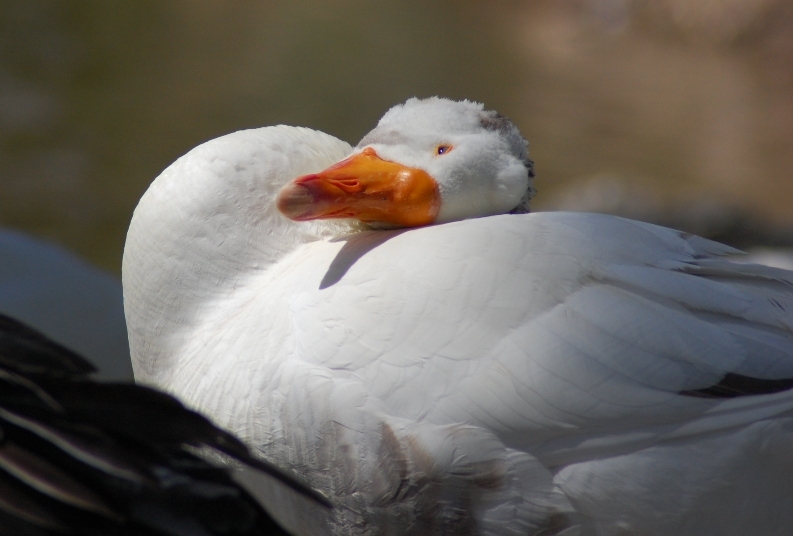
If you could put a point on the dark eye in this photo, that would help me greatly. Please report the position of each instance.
(442, 149)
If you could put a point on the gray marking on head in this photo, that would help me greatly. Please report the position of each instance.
(494, 121)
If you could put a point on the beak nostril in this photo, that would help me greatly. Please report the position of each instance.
(350, 185)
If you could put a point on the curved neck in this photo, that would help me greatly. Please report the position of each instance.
(207, 222)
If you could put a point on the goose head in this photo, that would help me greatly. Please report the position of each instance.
(427, 161)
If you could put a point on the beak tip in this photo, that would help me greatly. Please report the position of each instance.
(294, 200)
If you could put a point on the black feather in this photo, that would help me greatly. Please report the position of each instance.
(734, 385)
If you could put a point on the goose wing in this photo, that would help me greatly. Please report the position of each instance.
(545, 326)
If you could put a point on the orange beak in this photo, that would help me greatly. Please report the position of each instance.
(365, 187)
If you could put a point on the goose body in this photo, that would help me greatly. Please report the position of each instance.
(546, 373)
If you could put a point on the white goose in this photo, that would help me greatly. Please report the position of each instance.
(548, 373)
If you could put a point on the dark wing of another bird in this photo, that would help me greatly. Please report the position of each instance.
(83, 457)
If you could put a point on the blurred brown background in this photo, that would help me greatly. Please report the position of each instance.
(674, 111)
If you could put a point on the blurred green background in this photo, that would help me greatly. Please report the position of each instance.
(674, 111)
